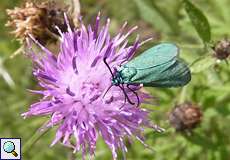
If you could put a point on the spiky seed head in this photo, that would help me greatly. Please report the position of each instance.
(222, 49)
(185, 116)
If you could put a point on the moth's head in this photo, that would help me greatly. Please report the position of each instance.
(117, 79)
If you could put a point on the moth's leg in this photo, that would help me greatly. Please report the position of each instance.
(127, 95)
(122, 88)
(125, 98)
(138, 99)
(106, 91)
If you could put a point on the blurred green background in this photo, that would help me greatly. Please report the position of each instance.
(164, 20)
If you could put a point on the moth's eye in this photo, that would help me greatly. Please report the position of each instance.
(115, 82)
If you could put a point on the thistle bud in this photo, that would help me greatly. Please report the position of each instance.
(222, 49)
(38, 20)
(185, 116)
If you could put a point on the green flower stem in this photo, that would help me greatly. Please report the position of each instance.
(32, 141)
(191, 46)
(182, 97)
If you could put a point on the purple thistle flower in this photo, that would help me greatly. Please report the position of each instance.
(75, 82)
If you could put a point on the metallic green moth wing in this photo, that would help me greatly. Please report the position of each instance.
(157, 67)
(176, 75)
(155, 56)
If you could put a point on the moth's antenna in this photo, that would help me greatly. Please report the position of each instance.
(138, 99)
(107, 65)
(104, 59)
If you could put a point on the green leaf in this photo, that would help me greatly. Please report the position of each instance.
(151, 16)
(199, 21)
(202, 64)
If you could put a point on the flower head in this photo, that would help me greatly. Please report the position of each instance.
(38, 20)
(75, 83)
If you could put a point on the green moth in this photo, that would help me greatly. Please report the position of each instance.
(158, 66)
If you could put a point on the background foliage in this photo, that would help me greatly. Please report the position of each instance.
(165, 20)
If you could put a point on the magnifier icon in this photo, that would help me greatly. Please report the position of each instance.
(9, 147)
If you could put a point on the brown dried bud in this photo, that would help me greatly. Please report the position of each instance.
(39, 20)
(185, 116)
(222, 49)
(55, 17)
